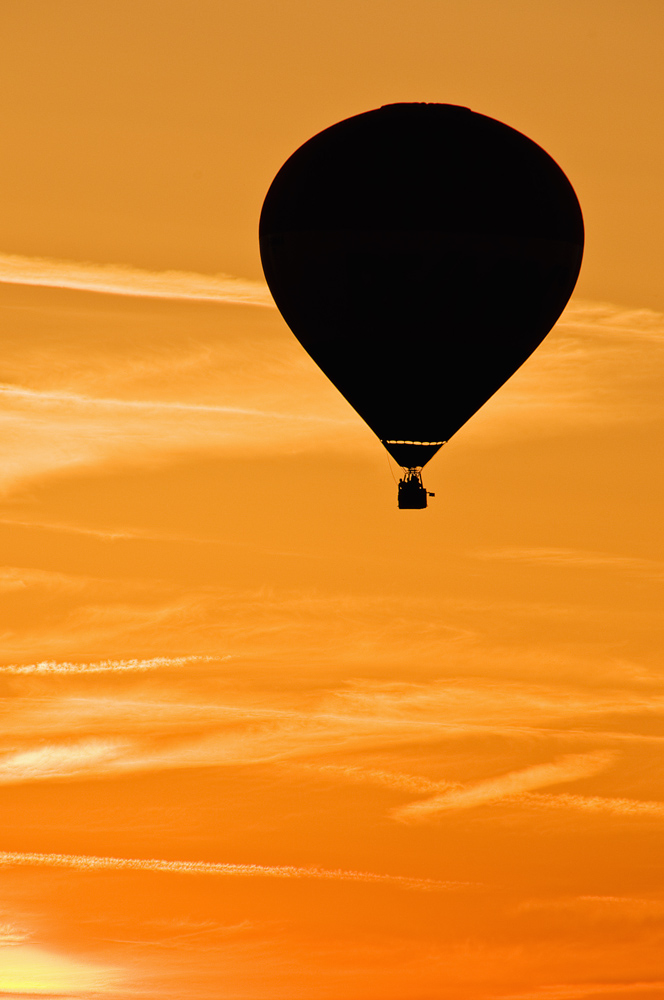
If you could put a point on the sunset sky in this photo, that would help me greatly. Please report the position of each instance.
(264, 736)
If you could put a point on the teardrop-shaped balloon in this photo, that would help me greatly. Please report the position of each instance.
(420, 253)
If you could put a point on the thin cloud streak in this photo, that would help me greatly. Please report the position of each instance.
(48, 430)
(595, 804)
(614, 320)
(58, 761)
(602, 364)
(79, 400)
(12, 935)
(576, 558)
(85, 862)
(388, 779)
(106, 666)
(509, 708)
(22, 577)
(569, 768)
(114, 535)
(132, 399)
(579, 990)
(631, 909)
(370, 717)
(114, 279)
(97, 756)
(111, 535)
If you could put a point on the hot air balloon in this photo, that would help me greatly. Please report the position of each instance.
(420, 253)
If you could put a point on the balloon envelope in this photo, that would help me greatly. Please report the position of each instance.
(420, 253)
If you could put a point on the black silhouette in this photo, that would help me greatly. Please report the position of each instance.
(412, 494)
(420, 253)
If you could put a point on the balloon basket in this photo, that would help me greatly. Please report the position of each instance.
(412, 494)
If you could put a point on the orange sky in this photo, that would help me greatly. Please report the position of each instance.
(265, 736)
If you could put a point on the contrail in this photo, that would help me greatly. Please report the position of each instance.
(85, 862)
(114, 279)
(104, 666)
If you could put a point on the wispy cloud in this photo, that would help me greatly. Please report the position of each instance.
(47, 397)
(511, 707)
(92, 863)
(576, 559)
(299, 725)
(572, 991)
(373, 776)
(630, 808)
(133, 393)
(157, 735)
(107, 756)
(569, 768)
(632, 909)
(58, 760)
(44, 429)
(600, 365)
(87, 382)
(114, 279)
(21, 578)
(75, 529)
(457, 796)
(195, 935)
(11, 935)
